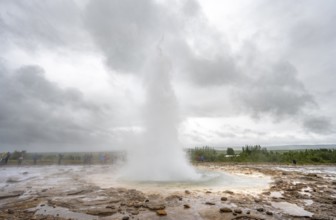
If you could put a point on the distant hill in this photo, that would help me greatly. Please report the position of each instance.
(301, 147)
(287, 147)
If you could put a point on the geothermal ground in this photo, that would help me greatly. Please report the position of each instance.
(223, 192)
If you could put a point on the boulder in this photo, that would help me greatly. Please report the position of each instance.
(10, 195)
(238, 211)
(229, 192)
(135, 212)
(155, 206)
(260, 209)
(269, 213)
(319, 217)
(225, 209)
(101, 212)
(161, 212)
(173, 197)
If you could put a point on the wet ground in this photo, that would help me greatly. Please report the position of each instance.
(223, 192)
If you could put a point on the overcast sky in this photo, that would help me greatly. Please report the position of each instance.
(243, 72)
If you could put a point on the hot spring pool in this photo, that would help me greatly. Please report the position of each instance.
(215, 180)
(106, 176)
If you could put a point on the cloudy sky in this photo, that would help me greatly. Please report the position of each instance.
(242, 72)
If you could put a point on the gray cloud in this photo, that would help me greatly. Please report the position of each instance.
(319, 125)
(33, 24)
(37, 112)
(276, 91)
(125, 30)
(218, 71)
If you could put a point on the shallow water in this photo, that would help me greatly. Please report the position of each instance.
(214, 180)
(331, 170)
(61, 212)
(106, 176)
(292, 209)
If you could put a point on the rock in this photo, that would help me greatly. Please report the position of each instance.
(312, 175)
(279, 181)
(257, 200)
(10, 211)
(225, 209)
(110, 207)
(135, 212)
(223, 199)
(125, 218)
(248, 212)
(229, 192)
(173, 197)
(9, 195)
(101, 212)
(208, 192)
(155, 206)
(260, 209)
(269, 213)
(209, 203)
(319, 217)
(187, 192)
(129, 209)
(161, 212)
(186, 206)
(130, 204)
(75, 192)
(137, 204)
(238, 211)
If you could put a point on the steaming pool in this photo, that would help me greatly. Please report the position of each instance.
(209, 179)
(106, 176)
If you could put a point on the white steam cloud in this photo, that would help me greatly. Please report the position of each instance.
(158, 156)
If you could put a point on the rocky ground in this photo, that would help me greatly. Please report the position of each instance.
(292, 194)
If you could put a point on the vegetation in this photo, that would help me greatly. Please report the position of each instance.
(203, 154)
(248, 154)
(230, 151)
(67, 158)
(257, 154)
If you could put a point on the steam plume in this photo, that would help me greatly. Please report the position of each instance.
(158, 156)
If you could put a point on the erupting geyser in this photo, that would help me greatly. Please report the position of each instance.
(158, 156)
